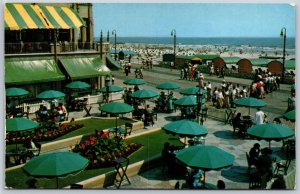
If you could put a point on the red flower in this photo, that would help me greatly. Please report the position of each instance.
(105, 134)
(92, 142)
(87, 142)
(82, 146)
(92, 138)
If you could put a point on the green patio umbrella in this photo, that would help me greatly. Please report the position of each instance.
(192, 91)
(291, 115)
(77, 85)
(185, 128)
(144, 94)
(116, 108)
(111, 89)
(168, 86)
(270, 131)
(205, 157)
(134, 81)
(20, 124)
(188, 101)
(51, 94)
(250, 102)
(55, 165)
(15, 92)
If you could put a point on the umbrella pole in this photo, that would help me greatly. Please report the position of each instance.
(269, 144)
(249, 110)
(204, 179)
(116, 122)
(57, 182)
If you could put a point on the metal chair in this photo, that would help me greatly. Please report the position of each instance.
(282, 167)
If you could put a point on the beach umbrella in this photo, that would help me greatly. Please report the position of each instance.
(55, 165)
(77, 85)
(205, 157)
(185, 128)
(134, 81)
(250, 102)
(111, 89)
(270, 131)
(116, 108)
(291, 115)
(15, 92)
(168, 86)
(50, 94)
(20, 124)
(144, 94)
(188, 101)
(192, 91)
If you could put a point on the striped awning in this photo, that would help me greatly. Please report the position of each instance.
(32, 16)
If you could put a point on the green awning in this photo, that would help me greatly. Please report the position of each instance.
(290, 64)
(31, 71)
(84, 67)
(111, 63)
(185, 57)
(207, 57)
(231, 60)
(259, 62)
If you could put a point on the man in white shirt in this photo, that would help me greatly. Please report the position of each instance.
(259, 117)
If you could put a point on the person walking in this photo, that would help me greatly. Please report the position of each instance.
(260, 117)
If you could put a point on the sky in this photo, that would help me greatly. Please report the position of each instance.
(194, 19)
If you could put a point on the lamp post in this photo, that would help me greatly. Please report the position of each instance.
(283, 33)
(107, 83)
(115, 33)
(173, 33)
(199, 103)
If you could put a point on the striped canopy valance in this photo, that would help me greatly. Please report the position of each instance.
(33, 16)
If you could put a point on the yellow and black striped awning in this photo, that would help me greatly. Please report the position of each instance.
(32, 16)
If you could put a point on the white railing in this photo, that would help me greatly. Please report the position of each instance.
(33, 107)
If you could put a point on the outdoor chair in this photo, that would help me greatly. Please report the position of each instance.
(258, 182)
(282, 167)
(235, 128)
(127, 131)
(250, 164)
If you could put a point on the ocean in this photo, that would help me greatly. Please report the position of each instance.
(255, 44)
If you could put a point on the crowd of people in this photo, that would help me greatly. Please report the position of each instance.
(165, 102)
(56, 113)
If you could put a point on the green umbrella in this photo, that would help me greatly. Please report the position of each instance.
(50, 94)
(16, 92)
(20, 124)
(188, 101)
(76, 85)
(270, 131)
(186, 128)
(144, 94)
(205, 158)
(55, 165)
(249, 102)
(192, 91)
(291, 115)
(116, 108)
(111, 89)
(134, 81)
(168, 86)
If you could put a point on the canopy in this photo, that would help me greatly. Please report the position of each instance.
(259, 62)
(270, 131)
(54, 165)
(31, 71)
(186, 101)
(291, 115)
(192, 91)
(290, 64)
(32, 16)
(231, 60)
(250, 102)
(78, 85)
(116, 108)
(51, 94)
(205, 157)
(111, 89)
(112, 63)
(134, 81)
(168, 86)
(15, 92)
(185, 128)
(144, 94)
(20, 124)
(84, 67)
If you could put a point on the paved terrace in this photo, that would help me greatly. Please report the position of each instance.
(219, 135)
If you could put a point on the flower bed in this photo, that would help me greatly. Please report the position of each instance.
(41, 134)
(101, 150)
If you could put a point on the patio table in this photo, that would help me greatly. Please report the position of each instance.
(116, 130)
